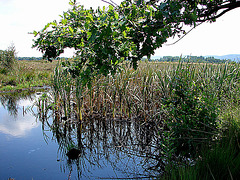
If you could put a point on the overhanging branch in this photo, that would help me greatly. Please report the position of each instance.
(227, 7)
(112, 3)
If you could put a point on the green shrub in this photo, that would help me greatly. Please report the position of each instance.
(7, 59)
(191, 111)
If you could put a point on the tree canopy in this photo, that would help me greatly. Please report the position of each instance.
(104, 38)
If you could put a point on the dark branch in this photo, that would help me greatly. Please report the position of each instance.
(183, 35)
(110, 3)
(227, 7)
(113, 3)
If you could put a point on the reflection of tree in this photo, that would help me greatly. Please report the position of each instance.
(100, 140)
(10, 100)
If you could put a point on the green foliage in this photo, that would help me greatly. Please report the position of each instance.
(192, 96)
(182, 98)
(7, 59)
(192, 111)
(103, 38)
(192, 120)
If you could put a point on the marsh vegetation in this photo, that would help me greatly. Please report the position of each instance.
(191, 107)
(170, 120)
(163, 120)
(26, 74)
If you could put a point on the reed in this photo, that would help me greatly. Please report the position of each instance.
(183, 98)
(142, 93)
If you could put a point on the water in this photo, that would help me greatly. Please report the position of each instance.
(35, 147)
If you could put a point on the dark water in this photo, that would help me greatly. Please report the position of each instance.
(35, 147)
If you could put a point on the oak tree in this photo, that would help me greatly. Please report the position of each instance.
(105, 37)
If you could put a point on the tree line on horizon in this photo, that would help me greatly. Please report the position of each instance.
(195, 59)
(37, 58)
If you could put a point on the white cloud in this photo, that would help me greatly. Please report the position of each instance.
(18, 127)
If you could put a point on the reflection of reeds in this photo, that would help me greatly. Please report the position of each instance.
(100, 141)
(10, 100)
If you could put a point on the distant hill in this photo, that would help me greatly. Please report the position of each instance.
(232, 57)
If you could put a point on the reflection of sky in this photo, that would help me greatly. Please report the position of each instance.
(19, 125)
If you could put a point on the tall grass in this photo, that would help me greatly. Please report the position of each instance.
(144, 92)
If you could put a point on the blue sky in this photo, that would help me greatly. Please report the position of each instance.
(20, 17)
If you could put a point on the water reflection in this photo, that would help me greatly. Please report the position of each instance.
(17, 128)
(14, 119)
(12, 101)
(105, 148)
(127, 147)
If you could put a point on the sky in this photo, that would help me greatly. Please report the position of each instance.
(19, 17)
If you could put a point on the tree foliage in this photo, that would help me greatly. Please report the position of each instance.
(104, 38)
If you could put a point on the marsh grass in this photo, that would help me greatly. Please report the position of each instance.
(184, 97)
(27, 74)
(144, 92)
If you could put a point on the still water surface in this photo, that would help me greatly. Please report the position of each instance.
(33, 147)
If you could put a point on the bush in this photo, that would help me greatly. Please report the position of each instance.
(7, 59)
(192, 113)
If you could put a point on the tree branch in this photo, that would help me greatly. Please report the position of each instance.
(113, 3)
(110, 3)
(183, 35)
(227, 7)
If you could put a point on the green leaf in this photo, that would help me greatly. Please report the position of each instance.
(90, 17)
(54, 23)
(110, 8)
(35, 33)
(47, 26)
(71, 30)
(64, 21)
(116, 15)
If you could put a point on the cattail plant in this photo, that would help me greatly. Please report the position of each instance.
(184, 97)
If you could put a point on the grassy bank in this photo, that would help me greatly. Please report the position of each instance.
(27, 74)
